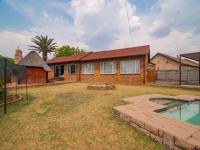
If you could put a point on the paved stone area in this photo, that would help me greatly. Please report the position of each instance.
(100, 86)
(176, 134)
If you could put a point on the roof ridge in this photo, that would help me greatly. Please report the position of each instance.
(86, 55)
(120, 48)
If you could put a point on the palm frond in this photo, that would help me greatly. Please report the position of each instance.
(43, 44)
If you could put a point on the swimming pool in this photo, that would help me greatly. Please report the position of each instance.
(185, 111)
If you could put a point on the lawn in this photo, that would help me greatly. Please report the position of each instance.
(69, 116)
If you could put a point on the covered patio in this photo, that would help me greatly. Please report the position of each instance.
(195, 56)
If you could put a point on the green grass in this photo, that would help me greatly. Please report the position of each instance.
(70, 116)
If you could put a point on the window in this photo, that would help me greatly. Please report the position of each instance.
(72, 69)
(130, 67)
(107, 68)
(59, 71)
(88, 68)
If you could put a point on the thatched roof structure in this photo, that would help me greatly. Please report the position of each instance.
(33, 59)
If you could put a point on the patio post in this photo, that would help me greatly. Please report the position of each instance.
(199, 71)
(5, 90)
(180, 69)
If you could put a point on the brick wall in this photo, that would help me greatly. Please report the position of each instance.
(71, 77)
(108, 78)
(117, 77)
(51, 73)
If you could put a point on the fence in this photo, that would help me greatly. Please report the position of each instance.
(187, 76)
(9, 71)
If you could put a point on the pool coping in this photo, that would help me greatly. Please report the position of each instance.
(140, 113)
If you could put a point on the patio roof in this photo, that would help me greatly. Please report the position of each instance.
(194, 56)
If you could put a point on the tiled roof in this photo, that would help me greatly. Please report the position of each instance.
(183, 61)
(125, 52)
(72, 58)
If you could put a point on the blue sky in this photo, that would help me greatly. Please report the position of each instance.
(168, 26)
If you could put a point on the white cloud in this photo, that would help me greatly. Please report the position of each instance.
(101, 21)
(103, 24)
(11, 39)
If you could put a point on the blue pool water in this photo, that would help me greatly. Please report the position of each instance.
(188, 112)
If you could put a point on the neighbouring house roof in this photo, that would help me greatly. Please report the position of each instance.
(86, 56)
(72, 58)
(194, 56)
(33, 59)
(183, 61)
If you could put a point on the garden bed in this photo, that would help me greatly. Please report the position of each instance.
(101, 86)
(11, 98)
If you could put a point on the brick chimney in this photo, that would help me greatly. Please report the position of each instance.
(18, 55)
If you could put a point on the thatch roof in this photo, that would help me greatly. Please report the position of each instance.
(33, 59)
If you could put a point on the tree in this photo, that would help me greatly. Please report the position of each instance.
(43, 45)
(66, 50)
(8, 58)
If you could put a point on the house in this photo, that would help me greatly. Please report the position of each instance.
(127, 66)
(166, 62)
(36, 68)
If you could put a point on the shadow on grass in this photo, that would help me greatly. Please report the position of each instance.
(16, 106)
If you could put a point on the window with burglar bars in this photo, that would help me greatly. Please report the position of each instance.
(88, 68)
(108, 68)
(130, 67)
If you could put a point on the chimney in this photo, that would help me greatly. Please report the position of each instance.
(18, 55)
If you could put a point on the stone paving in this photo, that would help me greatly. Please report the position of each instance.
(176, 134)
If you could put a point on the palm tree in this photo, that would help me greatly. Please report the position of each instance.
(43, 44)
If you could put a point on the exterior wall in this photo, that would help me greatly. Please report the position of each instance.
(140, 78)
(163, 63)
(67, 77)
(51, 73)
(35, 75)
(117, 77)
(151, 74)
(70, 77)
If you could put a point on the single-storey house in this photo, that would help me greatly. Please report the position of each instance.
(126, 66)
(166, 62)
(36, 68)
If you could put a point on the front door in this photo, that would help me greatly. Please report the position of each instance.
(59, 71)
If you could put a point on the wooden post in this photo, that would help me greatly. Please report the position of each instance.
(47, 76)
(79, 72)
(16, 88)
(5, 90)
(26, 83)
(180, 69)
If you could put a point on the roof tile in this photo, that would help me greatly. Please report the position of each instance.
(106, 54)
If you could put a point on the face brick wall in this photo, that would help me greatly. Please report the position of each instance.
(70, 77)
(117, 77)
(108, 78)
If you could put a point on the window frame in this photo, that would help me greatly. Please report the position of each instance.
(114, 71)
(133, 73)
(69, 69)
(82, 70)
(59, 70)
